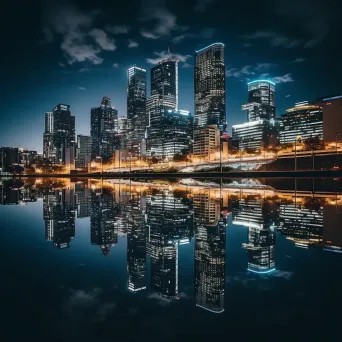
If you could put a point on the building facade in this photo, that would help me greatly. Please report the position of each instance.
(172, 134)
(210, 86)
(255, 134)
(332, 117)
(261, 101)
(102, 129)
(302, 121)
(83, 151)
(8, 157)
(206, 142)
(63, 132)
(136, 102)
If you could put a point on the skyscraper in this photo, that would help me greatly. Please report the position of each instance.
(261, 130)
(164, 83)
(63, 130)
(136, 102)
(261, 100)
(210, 86)
(83, 151)
(102, 129)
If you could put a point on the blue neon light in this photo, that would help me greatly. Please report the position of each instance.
(213, 311)
(268, 81)
(332, 98)
(261, 272)
(209, 46)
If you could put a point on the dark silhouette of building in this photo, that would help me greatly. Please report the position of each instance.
(102, 129)
(9, 156)
(63, 131)
(136, 103)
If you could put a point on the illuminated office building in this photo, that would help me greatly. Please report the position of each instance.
(102, 221)
(170, 129)
(83, 151)
(136, 102)
(63, 131)
(261, 101)
(171, 134)
(304, 121)
(262, 129)
(255, 134)
(164, 83)
(332, 117)
(102, 129)
(59, 217)
(210, 86)
(206, 142)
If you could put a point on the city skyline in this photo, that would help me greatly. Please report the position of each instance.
(87, 69)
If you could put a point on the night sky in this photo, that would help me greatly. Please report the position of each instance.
(75, 52)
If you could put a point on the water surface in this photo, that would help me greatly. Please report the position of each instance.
(121, 260)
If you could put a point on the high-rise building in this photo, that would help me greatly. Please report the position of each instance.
(255, 134)
(304, 121)
(172, 134)
(63, 130)
(210, 86)
(136, 102)
(261, 101)
(206, 142)
(332, 117)
(102, 129)
(170, 129)
(164, 83)
(49, 122)
(8, 157)
(49, 151)
(83, 151)
(262, 129)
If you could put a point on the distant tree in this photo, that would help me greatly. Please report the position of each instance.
(180, 157)
(17, 169)
(250, 150)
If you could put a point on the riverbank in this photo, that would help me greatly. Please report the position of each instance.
(234, 174)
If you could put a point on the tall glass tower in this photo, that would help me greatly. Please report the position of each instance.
(136, 102)
(261, 104)
(164, 82)
(102, 129)
(210, 86)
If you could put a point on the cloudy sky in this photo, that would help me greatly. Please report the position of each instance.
(75, 52)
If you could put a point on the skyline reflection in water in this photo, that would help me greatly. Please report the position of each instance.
(162, 228)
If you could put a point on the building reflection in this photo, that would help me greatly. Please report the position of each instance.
(59, 216)
(103, 231)
(261, 219)
(136, 241)
(169, 223)
(210, 251)
(157, 220)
